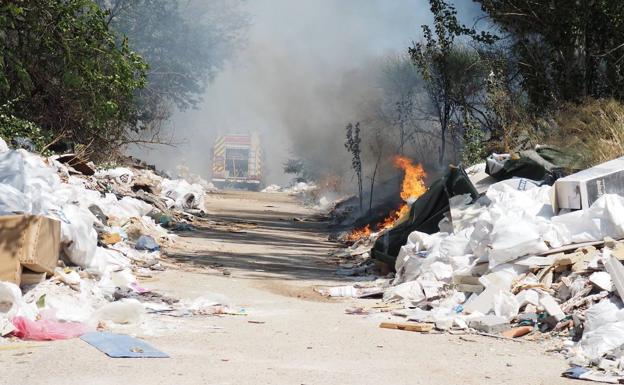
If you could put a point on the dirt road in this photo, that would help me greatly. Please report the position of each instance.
(267, 264)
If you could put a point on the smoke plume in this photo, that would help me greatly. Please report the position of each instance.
(306, 70)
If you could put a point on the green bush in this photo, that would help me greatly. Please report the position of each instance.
(67, 72)
(474, 148)
(13, 127)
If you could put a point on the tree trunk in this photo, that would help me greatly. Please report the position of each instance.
(360, 192)
(442, 148)
(443, 129)
(372, 188)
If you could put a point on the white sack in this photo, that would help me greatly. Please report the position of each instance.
(3, 146)
(604, 218)
(121, 175)
(125, 311)
(411, 291)
(506, 305)
(183, 194)
(12, 304)
(78, 235)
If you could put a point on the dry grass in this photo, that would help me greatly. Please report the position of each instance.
(593, 131)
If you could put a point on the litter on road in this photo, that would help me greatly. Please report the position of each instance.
(74, 239)
(121, 346)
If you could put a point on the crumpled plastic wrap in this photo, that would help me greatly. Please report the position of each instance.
(182, 195)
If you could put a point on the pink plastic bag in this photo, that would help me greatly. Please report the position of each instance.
(47, 329)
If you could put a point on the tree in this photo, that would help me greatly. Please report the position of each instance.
(62, 69)
(296, 167)
(185, 44)
(376, 147)
(401, 83)
(352, 144)
(452, 72)
(565, 50)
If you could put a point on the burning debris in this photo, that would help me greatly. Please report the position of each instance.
(561, 275)
(412, 187)
(358, 234)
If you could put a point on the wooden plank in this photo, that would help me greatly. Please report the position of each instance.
(410, 327)
(571, 247)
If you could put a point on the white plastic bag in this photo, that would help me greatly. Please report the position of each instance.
(78, 235)
(602, 313)
(411, 291)
(12, 169)
(121, 175)
(13, 201)
(123, 209)
(125, 311)
(12, 304)
(183, 194)
(506, 305)
(604, 218)
(3, 146)
(602, 340)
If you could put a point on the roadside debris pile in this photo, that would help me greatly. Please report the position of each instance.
(311, 195)
(76, 239)
(295, 188)
(543, 258)
(184, 173)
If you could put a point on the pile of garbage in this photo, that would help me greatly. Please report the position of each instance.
(76, 239)
(295, 188)
(522, 259)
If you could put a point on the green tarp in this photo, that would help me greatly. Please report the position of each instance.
(544, 163)
(424, 215)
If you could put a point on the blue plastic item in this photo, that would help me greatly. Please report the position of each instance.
(145, 242)
(121, 346)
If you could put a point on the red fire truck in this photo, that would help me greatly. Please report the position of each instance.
(237, 162)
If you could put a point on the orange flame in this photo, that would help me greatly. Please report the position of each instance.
(358, 234)
(414, 179)
(413, 187)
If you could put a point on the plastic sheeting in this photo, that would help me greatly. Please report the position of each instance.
(3, 146)
(78, 235)
(182, 195)
(12, 304)
(121, 175)
(272, 189)
(604, 329)
(425, 214)
(47, 328)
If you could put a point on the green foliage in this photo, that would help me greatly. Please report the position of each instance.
(67, 72)
(454, 74)
(473, 150)
(13, 127)
(556, 77)
(564, 50)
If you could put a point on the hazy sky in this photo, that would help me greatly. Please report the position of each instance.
(288, 81)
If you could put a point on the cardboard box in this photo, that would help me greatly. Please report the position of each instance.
(580, 190)
(30, 241)
(29, 277)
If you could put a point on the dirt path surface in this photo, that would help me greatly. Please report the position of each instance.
(266, 263)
